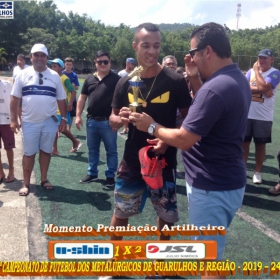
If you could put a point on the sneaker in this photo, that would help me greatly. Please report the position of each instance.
(257, 178)
(151, 168)
(110, 182)
(89, 179)
(275, 190)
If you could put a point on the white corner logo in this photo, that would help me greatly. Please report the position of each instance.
(6, 10)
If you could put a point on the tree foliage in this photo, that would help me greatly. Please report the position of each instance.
(2, 58)
(79, 36)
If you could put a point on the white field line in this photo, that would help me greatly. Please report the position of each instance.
(260, 226)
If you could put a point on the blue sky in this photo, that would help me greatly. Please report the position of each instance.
(254, 14)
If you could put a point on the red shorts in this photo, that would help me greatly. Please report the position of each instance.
(7, 136)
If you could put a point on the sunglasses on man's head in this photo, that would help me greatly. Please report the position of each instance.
(99, 62)
(41, 79)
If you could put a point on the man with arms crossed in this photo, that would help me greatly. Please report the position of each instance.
(263, 79)
(162, 92)
(40, 89)
(211, 135)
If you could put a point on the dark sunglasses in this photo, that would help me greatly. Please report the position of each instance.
(41, 79)
(193, 51)
(99, 62)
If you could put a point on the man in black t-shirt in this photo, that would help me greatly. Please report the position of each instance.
(99, 89)
(162, 92)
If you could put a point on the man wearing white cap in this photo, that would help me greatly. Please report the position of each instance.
(40, 89)
(263, 79)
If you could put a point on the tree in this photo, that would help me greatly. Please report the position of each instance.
(79, 36)
(38, 35)
(2, 58)
(122, 46)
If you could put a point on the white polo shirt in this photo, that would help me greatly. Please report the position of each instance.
(39, 102)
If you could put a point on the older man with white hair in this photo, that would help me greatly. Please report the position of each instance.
(170, 61)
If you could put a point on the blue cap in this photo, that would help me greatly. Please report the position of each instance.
(58, 61)
(266, 53)
(131, 60)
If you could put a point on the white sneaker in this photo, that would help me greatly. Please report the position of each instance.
(257, 178)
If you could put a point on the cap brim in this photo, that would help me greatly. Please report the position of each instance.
(39, 52)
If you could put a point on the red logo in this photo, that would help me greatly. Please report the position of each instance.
(153, 249)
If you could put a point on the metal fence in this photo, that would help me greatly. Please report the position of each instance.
(244, 62)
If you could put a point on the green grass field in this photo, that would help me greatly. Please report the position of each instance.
(75, 204)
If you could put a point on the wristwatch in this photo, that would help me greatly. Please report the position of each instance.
(63, 118)
(152, 128)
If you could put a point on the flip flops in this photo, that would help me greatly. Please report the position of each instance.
(74, 150)
(275, 189)
(24, 190)
(47, 185)
(10, 179)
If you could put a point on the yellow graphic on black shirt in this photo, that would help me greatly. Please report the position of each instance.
(131, 99)
(163, 98)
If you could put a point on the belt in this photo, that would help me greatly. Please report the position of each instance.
(97, 118)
